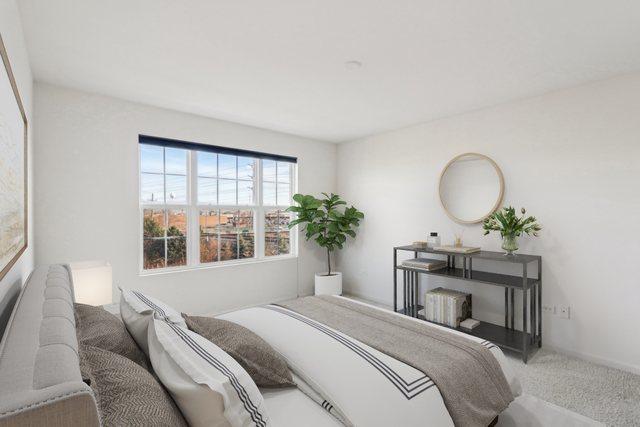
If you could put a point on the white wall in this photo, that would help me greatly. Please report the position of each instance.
(11, 31)
(86, 163)
(572, 158)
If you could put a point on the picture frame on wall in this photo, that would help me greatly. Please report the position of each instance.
(13, 169)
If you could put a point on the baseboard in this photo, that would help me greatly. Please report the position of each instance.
(368, 299)
(591, 358)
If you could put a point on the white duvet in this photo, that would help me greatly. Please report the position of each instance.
(355, 383)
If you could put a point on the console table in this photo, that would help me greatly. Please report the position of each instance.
(505, 336)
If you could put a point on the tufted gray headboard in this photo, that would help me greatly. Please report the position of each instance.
(40, 382)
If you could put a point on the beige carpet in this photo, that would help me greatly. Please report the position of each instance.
(604, 394)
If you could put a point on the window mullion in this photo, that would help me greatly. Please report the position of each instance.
(236, 218)
(259, 223)
(293, 188)
(236, 180)
(277, 224)
(259, 212)
(218, 233)
(166, 246)
(277, 198)
(164, 204)
(193, 215)
(217, 179)
(164, 176)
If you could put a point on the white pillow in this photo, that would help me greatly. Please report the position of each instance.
(137, 310)
(208, 385)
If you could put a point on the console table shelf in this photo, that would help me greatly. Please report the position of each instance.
(476, 276)
(510, 339)
(506, 337)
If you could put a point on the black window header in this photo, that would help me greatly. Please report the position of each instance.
(185, 145)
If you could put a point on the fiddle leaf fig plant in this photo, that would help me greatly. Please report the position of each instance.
(326, 221)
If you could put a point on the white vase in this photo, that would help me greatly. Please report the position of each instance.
(329, 285)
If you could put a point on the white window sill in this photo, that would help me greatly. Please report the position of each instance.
(220, 264)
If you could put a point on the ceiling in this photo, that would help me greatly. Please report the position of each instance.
(281, 64)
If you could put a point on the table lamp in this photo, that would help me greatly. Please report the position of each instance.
(92, 282)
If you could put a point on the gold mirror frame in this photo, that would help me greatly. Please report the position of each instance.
(498, 201)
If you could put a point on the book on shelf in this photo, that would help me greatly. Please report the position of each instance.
(469, 323)
(458, 249)
(447, 306)
(425, 263)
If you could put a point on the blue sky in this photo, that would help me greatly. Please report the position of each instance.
(217, 175)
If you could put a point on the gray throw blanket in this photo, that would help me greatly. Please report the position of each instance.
(468, 376)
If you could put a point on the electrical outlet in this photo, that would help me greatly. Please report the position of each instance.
(549, 309)
(563, 311)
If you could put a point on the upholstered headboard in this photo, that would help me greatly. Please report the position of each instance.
(40, 382)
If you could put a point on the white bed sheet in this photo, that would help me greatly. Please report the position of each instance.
(351, 376)
(291, 407)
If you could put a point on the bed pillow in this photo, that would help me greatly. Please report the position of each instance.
(208, 385)
(97, 327)
(265, 366)
(127, 394)
(137, 309)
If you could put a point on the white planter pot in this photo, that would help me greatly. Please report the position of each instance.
(329, 285)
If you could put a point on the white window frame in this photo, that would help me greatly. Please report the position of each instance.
(192, 209)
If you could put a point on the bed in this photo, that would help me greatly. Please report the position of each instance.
(345, 371)
(340, 380)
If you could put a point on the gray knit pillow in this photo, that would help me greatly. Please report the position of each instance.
(97, 327)
(265, 366)
(126, 393)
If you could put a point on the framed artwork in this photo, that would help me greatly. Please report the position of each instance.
(13, 169)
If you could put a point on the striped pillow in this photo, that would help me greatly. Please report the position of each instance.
(137, 310)
(207, 384)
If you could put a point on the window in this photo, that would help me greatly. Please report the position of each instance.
(226, 235)
(276, 235)
(203, 205)
(163, 178)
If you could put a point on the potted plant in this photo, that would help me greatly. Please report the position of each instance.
(511, 227)
(329, 223)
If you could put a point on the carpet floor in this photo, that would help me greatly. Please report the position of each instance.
(604, 394)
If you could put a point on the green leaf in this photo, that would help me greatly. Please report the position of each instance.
(327, 221)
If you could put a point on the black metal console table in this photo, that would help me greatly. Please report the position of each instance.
(503, 336)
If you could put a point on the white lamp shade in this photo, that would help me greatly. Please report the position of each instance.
(92, 282)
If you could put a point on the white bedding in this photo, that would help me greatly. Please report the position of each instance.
(361, 385)
(290, 407)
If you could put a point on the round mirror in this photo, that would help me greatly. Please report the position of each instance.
(471, 188)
